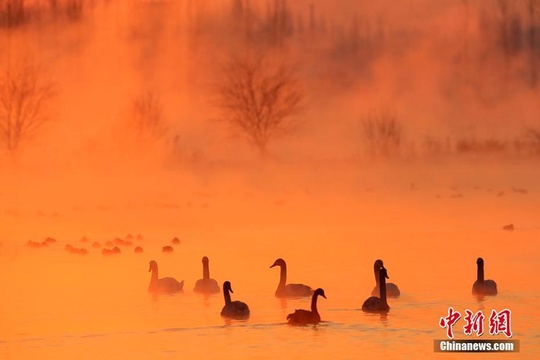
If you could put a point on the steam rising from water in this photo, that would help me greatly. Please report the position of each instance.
(440, 69)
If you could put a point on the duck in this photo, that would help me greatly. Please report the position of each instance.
(378, 304)
(289, 290)
(166, 285)
(305, 317)
(392, 289)
(206, 285)
(233, 309)
(481, 286)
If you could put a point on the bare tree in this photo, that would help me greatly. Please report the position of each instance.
(74, 9)
(23, 98)
(12, 13)
(533, 9)
(259, 99)
(381, 133)
(504, 24)
(147, 116)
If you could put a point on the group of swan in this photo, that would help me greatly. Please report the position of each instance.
(240, 310)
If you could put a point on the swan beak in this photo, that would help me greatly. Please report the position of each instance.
(386, 276)
(272, 265)
(324, 296)
(149, 269)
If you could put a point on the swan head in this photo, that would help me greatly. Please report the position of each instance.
(278, 262)
(479, 261)
(378, 264)
(153, 265)
(227, 286)
(205, 260)
(320, 292)
(384, 272)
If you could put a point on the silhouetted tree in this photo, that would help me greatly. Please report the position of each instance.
(533, 140)
(381, 133)
(259, 99)
(74, 9)
(12, 13)
(279, 21)
(504, 23)
(532, 10)
(147, 116)
(23, 99)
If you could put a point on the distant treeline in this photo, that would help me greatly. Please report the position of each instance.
(16, 13)
(507, 29)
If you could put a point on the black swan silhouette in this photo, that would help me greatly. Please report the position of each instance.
(305, 317)
(481, 286)
(233, 309)
(289, 290)
(378, 304)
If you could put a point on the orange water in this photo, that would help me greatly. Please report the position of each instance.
(57, 305)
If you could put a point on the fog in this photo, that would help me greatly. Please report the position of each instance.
(456, 76)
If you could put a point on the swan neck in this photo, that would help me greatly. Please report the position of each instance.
(382, 280)
(314, 304)
(376, 272)
(227, 295)
(480, 272)
(206, 271)
(283, 275)
(154, 275)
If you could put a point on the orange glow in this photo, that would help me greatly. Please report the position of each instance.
(464, 166)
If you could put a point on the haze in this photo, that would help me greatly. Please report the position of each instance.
(417, 128)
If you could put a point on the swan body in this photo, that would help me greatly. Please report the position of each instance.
(378, 304)
(233, 309)
(289, 290)
(166, 285)
(481, 286)
(392, 289)
(206, 285)
(305, 317)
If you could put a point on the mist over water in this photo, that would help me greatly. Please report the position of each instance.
(135, 140)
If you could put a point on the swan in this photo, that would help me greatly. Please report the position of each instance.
(392, 289)
(163, 285)
(233, 309)
(378, 304)
(167, 249)
(481, 286)
(206, 284)
(289, 290)
(305, 317)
